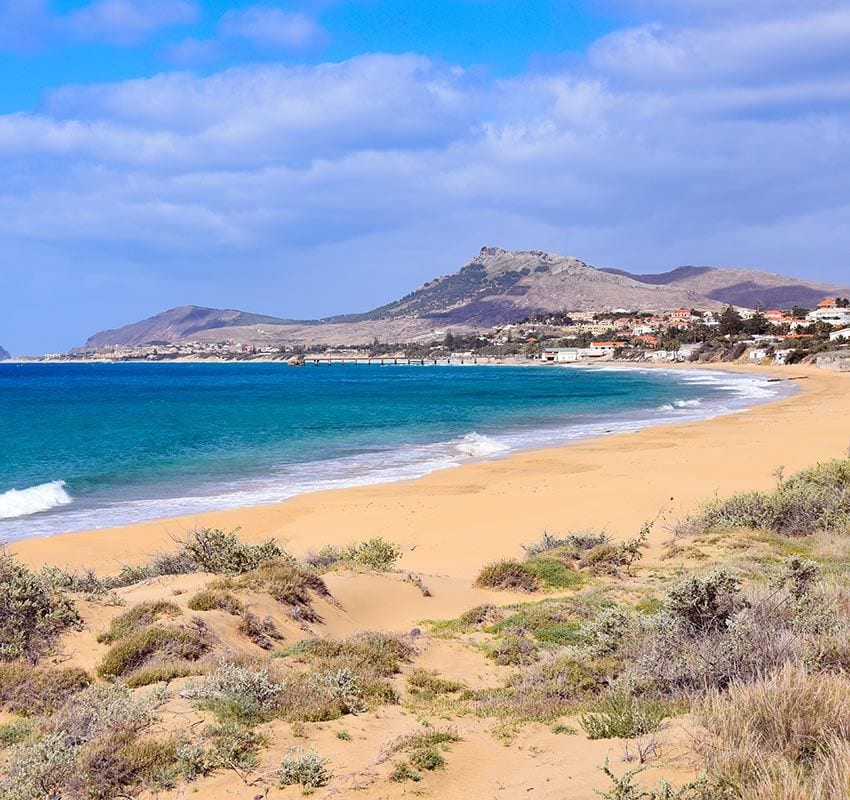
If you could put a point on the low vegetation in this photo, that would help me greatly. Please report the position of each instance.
(290, 584)
(203, 550)
(164, 652)
(33, 612)
(559, 563)
(423, 752)
(374, 554)
(28, 690)
(94, 746)
(783, 735)
(305, 768)
(817, 499)
(216, 600)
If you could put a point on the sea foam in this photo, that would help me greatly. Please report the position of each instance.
(23, 502)
(476, 445)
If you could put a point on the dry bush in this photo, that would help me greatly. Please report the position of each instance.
(220, 552)
(89, 749)
(513, 650)
(781, 737)
(305, 768)
(137, 619)
(26, 690)
(817, 499)
(376, 554)
(548, 690)
(481, 615)
(423, 682)
(156, 644)
(508, 575)
(377, 655)
(33, 612)
(216, 600)
(292, 585)
(711, 633)
(262, 632)
(574, 543)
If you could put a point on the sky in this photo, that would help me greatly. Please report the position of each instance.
(309, 158)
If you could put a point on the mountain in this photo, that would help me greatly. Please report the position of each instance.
(4, 354)
(500, 286)
(741, 287)
(496, 287)
(177, 324)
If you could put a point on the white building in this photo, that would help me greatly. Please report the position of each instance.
(560, 355)
(842, 335)
(832, 316)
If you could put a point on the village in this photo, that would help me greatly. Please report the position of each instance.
(773, 336)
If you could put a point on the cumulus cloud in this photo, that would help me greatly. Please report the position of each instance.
(665, 145)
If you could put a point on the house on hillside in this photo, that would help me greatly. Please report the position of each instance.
(605, 347)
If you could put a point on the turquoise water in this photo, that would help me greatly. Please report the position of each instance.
(95, 445)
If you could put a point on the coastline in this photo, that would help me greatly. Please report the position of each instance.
(451, 521)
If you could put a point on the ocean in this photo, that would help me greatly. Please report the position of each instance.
(97, 445)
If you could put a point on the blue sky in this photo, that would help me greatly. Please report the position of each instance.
(324, 156)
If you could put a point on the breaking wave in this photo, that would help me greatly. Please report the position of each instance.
(23, 502)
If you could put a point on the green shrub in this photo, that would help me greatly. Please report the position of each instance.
(513, 650)
(604, 633)
(428, 758)
(402, 772)
(216, 600)
(424, 682)
(508, 575)
(376, 553)
(239, 693)
(304, 767)
(26, 690)
(554, 574)
(217, 551)
(705, 603)
(32, 611)
(623, 716)
(155, 644)
(15, 731)
(230, 745)
(817, 499)
(137, 619)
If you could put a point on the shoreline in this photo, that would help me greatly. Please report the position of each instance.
(476, 445)
(451, 521)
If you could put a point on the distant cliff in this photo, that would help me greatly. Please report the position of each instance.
(4, 354)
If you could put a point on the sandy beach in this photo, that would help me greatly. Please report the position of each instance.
(451, 522)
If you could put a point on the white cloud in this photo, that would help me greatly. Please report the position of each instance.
(128, 21)
(269, 26)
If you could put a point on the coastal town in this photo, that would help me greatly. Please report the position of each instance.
(819, 335)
